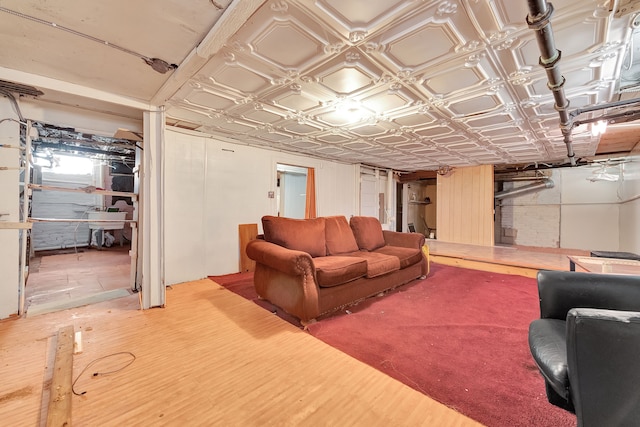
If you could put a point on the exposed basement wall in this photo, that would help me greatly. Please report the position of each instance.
(212, 186)
(577, 213)
(532, 219)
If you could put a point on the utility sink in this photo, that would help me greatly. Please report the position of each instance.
(110, 216)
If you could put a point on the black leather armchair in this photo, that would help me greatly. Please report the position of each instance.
(587, 345)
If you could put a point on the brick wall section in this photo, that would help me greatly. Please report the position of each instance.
(58, 204)
(533, 219)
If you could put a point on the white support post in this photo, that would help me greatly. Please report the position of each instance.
(9, 212)
(405, 207)
(25, 216)
(390, 201)
(151, 227)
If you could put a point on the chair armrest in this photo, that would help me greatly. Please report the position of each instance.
(405, 240)
(602, 358)
(288, 261)
(561, 291)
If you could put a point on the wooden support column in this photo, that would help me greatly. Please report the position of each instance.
(59, 409)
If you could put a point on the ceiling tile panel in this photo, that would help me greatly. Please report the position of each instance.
(207, 99)
(260, 115)
(434, 131)
(347, 80)
(477, 105)
(455, 80)
(413, 118)
(363, 14)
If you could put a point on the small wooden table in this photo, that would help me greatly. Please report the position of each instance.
(604, 265)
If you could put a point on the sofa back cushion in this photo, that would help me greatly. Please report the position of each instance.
(339, 236)
(368, 232)
(306, 235)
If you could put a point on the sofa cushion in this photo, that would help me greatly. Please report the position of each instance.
(377, 263)
(306, 235)
(337, 270)
(407, 256)
(368, 232)
(339, 236)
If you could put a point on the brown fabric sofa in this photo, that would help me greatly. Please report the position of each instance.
(313, 267)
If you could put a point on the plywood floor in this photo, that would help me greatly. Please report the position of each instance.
(525, 261)
(209, 357)
(58, 279)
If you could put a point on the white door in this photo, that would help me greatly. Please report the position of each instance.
(369, 204)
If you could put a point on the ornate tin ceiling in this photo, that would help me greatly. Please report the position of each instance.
(405, 84)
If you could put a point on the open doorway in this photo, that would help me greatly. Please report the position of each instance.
(421, 207)
(82, 206)
(291, 190)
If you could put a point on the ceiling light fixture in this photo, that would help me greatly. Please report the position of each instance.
(351, 109)
(598, 128)
(157, 64)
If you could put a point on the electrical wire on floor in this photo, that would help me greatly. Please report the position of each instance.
(95, 374)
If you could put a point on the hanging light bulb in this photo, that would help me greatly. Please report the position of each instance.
(598, 128)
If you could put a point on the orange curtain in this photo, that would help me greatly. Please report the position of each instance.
(310, 205)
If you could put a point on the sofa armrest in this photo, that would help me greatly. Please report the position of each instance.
(405, 240)
(560, 291)
(288, 261)
(602, 360)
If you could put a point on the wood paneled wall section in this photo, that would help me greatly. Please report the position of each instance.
(465, 206)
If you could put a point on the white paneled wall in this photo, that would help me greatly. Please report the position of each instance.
(184, 183)
(212, 186)
(630, 207)
(590, 211)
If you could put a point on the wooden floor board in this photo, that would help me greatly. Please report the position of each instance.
(209, 357)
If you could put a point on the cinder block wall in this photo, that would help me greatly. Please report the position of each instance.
(533, 219)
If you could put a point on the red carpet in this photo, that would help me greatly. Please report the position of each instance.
(460, 337)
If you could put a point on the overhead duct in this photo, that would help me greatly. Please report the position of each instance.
(546, 183)
(539, 20)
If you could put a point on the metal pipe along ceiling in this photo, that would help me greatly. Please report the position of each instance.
(546, 183)
(539, 20)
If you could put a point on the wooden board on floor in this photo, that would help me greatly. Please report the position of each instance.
(59, 411)
(247, 233)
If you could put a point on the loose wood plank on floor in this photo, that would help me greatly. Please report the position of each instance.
(59, 410)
